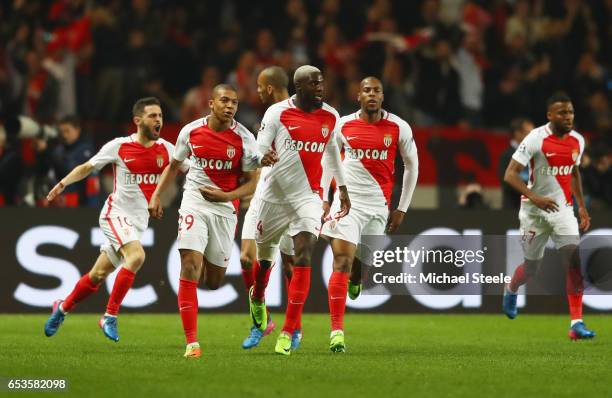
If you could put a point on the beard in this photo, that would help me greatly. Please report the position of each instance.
(563, 128)
(149, 132)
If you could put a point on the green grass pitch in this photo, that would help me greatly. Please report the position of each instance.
(387, 355)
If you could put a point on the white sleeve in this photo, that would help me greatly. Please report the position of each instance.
(527, 148)
(327, 176)
(109, 153)
(408, 152)
(331, 160)
(580, 139)
(184, 168)
(251, 157)
(270, 125)
(182, 149)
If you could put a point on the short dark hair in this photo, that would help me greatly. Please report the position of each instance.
(138, 108)
(559, 96)
(222, 86)
(276, 77)
(517, 123)
(72, 120)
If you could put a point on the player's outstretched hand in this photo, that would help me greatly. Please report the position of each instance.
(269, 158)
(214, 194)
(345, 202)
(155, 208)
(395, 220)
(57, 189)
(325, 214)
(544, 203)
(585, 219)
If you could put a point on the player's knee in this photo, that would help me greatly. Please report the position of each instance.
(571, 256)
(135, 260)
(246, 261)
(213, 284)
(531, 267)
(98, 275)
(190, 268)
(342, 263)
(303, 259)
(303, 255)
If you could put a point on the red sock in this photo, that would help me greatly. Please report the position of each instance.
(262, 276)
(298, 292)
(574, 288)
(123, 283)
(188, 308)
(287, 283)
(336, 294)
(83, 289)
(519, 278)
(248, 277)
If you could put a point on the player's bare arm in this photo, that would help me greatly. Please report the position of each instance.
(168, 176)
(583, 214)
(345, 202)
(77, 174)
(248, 188)
(512, 178)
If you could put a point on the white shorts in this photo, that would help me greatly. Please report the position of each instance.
(275, 220)
(206, 232)
(119, 229)
(360, 221)
(249, 227)
(560, 226)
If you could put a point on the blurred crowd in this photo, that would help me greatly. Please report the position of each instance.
(470, 63)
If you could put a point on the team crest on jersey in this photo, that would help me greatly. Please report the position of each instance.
(387, 140)
(160, 161)
(325, 130)
(231, 151)
(574, 155)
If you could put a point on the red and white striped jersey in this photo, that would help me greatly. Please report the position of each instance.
(136, 172)
(551, 160)
(218, 159)
(300, 140)
(369, 158)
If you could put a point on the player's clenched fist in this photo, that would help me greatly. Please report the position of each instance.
(269, 158)
(395, 220)
(585, 219)
(155, 208)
